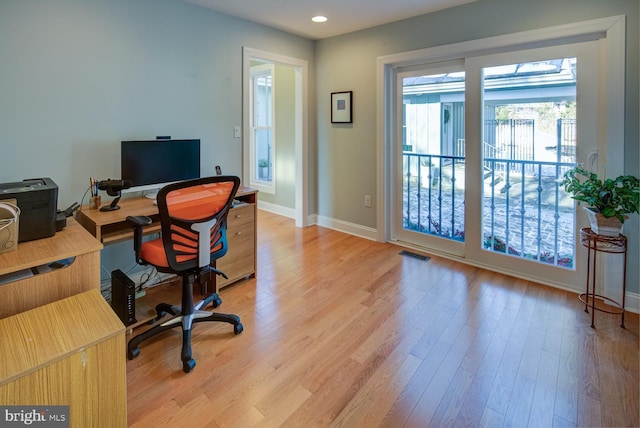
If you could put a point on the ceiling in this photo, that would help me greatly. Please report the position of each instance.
(345, 16)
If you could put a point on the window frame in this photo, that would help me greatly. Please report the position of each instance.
(260, 71)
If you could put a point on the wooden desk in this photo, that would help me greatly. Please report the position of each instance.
(81, 275)
(238, 263)
(70, 352)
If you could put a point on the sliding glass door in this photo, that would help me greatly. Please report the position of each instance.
(481, 146)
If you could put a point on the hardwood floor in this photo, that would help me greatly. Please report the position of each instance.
(345, 332)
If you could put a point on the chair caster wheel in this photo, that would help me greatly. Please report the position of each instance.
(187, 366)
(132, 353)
(216, 302)
(237, 329)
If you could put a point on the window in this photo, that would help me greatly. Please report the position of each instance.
(262, 129)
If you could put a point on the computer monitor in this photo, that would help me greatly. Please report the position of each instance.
(152, 164)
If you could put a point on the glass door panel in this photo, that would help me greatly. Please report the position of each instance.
(535, 115)
(432, 147)
(529, 141)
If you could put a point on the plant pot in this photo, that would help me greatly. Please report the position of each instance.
(263, 172)
(601, 225)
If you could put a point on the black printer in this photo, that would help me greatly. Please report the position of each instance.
(38, 202)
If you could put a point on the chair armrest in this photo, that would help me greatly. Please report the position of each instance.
(138, 222)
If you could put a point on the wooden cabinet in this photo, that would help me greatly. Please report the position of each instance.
(28, 280)
(67, 353)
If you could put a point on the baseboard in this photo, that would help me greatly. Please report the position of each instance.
(347, 227)
(277, 209)
(632, 302)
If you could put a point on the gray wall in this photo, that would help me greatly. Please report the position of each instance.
(78, 76)
(346, 154)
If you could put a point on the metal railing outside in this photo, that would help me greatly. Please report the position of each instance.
(526, 212)
(529, 215)
(566, 134)
(433, 185)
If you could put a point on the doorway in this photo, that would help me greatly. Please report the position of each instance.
(275, 156)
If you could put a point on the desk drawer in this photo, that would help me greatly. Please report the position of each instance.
(241, 238)
(240, 215)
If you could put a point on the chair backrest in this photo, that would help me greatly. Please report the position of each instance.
(193, 217)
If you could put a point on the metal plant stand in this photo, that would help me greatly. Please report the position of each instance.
(605, 244)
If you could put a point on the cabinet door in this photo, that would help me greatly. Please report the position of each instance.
(239, 262)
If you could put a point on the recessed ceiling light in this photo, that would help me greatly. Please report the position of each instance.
(319, 18)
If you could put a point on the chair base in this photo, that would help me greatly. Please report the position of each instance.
(185, 320)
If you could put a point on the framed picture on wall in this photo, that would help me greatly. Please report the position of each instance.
(341, 107)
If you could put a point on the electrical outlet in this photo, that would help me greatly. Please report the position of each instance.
(236, 132)
(367, 201)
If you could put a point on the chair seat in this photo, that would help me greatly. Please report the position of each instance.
(153, 253)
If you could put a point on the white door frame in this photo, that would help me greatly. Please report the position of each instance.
(612, 32)
(301, 211)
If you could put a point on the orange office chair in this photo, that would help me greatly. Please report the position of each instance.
(193, 218)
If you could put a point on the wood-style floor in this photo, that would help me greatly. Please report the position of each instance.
(345, 332)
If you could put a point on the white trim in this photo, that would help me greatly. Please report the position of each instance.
(347, 227)
(301, 124)
(614, 148)
(610, 31)
(632, 302)
(277, 209)
(568, 33)
(263, 70)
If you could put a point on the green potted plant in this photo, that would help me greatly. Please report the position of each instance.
(608, 201)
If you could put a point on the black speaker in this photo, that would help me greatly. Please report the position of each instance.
(123, 297)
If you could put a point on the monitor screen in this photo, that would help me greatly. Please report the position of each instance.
(150, 164)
